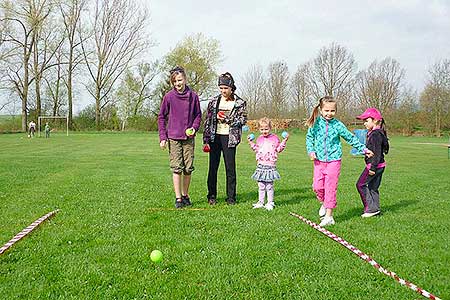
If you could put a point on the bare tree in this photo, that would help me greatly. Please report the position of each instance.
(332, 73)
(380, 84)
(71, 15)
(278, 88)
(253, 89)
(55, 87)
(407, 109)
(48, 42)
(118, 37)
(435, 98)
(302, 96)
(20, 20)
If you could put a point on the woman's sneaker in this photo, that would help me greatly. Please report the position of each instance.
(186, 201)
(327, 221)
(179, 203)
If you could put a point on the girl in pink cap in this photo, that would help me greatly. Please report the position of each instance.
(370, 179)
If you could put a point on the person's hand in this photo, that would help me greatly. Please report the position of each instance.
(206, 148)
(163, 144)
(371, 173)
(369, 153)
(190, 132)
(221, 115)
(312, 156)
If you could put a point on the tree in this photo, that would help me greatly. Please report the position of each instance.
(253, 90)
(134, 89)
(380, 85)
(302, 96)
(21, 19)
(71, 16)
(118, 36)
(435, 98)
(332, 73)
(278, 88)
(199, 56)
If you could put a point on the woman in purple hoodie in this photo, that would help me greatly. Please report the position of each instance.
(178, 120)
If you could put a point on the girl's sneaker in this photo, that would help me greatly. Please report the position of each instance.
(269, 206)
(258, 205)
(368, 215)
(322, 211)
(327, 221)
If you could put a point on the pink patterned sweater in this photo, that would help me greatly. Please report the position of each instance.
(267, 149)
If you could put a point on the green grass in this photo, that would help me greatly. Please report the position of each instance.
(115, 196)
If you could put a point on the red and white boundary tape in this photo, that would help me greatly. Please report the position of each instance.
(26, 231)
(365, 257)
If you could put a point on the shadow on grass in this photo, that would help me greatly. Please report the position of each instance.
(356, 212)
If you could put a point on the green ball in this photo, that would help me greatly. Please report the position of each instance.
(156, 256)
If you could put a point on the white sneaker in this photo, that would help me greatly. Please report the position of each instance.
(327, 221)
(322, 211)
(368, 215)
(269, 206)
(258, 205)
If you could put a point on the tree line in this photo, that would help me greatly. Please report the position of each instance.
(54, 52)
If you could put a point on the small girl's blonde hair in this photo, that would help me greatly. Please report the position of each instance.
(265, 121)
(315, 113)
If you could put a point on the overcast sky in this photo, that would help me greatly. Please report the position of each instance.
(414, 32)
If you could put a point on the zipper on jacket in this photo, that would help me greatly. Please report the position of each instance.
(325, 140)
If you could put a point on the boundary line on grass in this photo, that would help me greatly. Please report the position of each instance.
(26, 231)
(366, 258)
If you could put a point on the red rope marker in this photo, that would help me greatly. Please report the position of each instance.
(26, 231)
(366, 257)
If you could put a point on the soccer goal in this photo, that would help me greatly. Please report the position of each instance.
(53, 117)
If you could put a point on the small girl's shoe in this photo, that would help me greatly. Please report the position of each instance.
(258, 205)
(327, 221)
(269, 206)
(368, 215)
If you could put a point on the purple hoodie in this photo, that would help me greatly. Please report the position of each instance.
(178, 112)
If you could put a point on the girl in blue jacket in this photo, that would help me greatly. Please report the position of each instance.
(324, 146)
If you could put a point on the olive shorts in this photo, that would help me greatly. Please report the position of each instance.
(181, 156)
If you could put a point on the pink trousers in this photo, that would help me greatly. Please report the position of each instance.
(326, 177)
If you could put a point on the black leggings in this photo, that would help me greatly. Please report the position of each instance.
(229, 155)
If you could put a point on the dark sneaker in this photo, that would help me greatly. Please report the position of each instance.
(179, 203)
(186, 201)
(212, 201)
(231, 201)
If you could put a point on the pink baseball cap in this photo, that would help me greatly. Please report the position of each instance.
(370, 113)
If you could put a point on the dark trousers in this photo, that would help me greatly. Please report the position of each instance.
(229, 156)
(368, 189)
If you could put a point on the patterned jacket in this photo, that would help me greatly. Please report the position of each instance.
(236, 119)
(323, 138)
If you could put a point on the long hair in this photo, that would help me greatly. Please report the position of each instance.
(316, 111)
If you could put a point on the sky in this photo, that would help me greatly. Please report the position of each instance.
(414, 32)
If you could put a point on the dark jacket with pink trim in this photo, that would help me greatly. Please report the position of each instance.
(378, 143)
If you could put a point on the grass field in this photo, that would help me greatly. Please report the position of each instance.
(115, 198)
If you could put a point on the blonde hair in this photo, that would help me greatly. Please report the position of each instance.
(265, 121)
(316, 111)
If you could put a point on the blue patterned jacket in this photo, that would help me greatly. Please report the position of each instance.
(323, 138)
